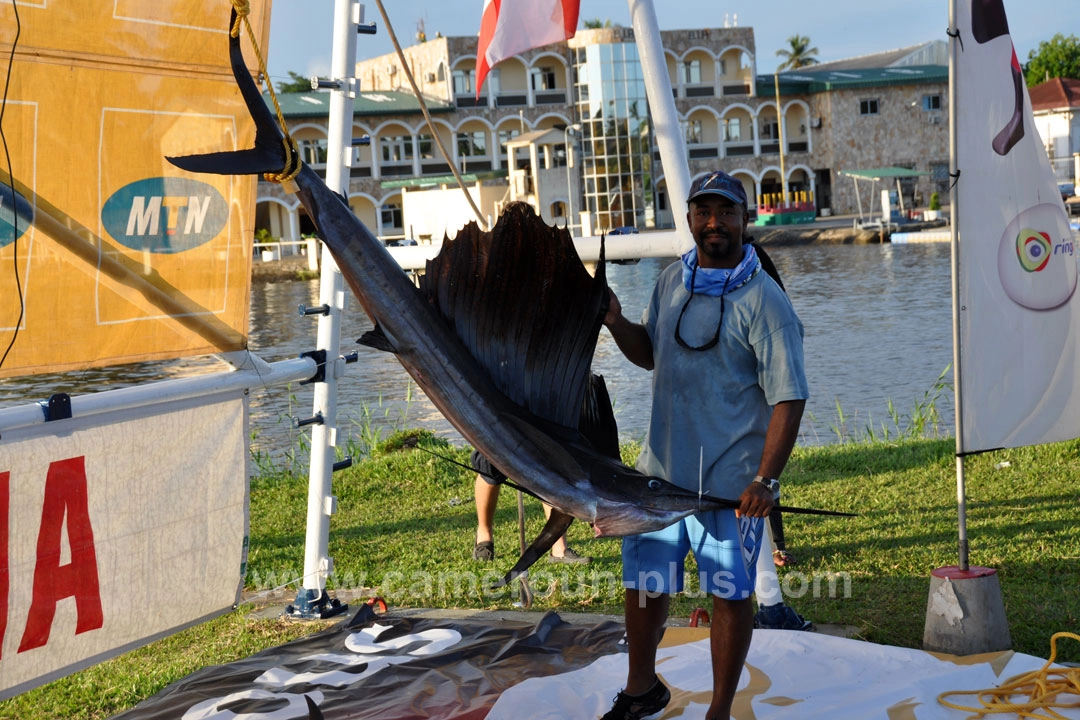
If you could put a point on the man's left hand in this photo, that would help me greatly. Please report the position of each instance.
(755, 501)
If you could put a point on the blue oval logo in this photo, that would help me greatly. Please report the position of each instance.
(16, 215)
(165, 214)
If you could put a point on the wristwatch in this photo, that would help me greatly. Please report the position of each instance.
(771, 484)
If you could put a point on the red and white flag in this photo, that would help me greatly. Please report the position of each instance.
(509, 27)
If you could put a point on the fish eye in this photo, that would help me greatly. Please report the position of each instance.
(654, 484)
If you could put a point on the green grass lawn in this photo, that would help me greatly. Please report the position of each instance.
(406, 521)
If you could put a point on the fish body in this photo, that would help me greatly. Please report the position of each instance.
(548, 459)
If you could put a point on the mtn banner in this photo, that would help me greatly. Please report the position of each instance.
(1019, 311)
(108, 254)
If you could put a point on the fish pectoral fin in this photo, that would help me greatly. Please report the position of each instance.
(554, 528)
(377, 339)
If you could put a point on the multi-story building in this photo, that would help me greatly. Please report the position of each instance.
(567, 128)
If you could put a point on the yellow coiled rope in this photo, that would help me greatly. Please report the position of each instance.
(1040, 688)
(292, 154)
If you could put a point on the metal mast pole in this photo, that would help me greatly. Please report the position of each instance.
(312, 600)
(961, 502)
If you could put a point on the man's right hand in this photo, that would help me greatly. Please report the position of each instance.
(614, 311)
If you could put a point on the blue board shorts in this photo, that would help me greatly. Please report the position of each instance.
(726, 549)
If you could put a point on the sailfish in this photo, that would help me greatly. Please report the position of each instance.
(500, 339)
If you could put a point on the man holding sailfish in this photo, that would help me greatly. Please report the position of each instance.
(478, 339)
(725, 348)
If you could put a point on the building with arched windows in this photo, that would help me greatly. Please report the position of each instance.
(567, 128)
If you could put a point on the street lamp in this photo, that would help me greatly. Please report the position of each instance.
(569, 190)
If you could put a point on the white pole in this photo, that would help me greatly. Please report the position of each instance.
(767, 584)
(954, 231)
(311, 601)
(570, 186)
(251, 372)
(665, 117)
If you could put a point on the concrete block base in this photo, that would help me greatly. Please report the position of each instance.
(965, 613)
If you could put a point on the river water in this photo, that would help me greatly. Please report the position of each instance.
(877, 319)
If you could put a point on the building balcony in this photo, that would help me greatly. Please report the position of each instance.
(434, 167)
(474, 165)
(699, 151)
(795, 147)
(551, 97)
(771, 147)
(394, 169)
(735, 149)
(699, 90)
(469, 101)
(740, 88)
(512, 99)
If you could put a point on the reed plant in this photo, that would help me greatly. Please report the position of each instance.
(923, 420)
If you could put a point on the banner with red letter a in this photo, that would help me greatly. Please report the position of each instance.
(113, 532)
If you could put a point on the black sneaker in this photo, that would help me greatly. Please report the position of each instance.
(570, 558)
(635, 707)
(780, 617)
(484, 551)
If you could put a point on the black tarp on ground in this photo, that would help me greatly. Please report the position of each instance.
(387, 667)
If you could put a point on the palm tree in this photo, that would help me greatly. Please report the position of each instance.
(597, 23)
(800, 54)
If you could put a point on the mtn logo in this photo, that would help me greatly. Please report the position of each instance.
(165, 215)
(16, 215)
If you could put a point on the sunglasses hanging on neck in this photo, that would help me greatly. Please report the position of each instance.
(678, 323)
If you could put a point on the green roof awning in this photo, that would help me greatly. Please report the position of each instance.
(884, 173)
(431, 181)
(380, 102)
(808, 80)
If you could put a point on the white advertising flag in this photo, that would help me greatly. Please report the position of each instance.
(1019, 311)
(117, 530)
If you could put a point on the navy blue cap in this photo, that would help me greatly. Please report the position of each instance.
(718, 183)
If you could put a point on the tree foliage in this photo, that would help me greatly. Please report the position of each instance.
(597, 23)
(1058, 57)
(798, 54)
(296, 83)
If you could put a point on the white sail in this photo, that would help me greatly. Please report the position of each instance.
(1018, 309)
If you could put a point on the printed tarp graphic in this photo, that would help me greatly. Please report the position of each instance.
(386, 667)
(788, 675)
(394, 668)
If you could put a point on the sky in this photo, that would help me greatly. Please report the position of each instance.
(301, 30)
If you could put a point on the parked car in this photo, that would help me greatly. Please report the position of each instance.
(1067, 190)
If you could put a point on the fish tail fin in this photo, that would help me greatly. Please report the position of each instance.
(268, 154)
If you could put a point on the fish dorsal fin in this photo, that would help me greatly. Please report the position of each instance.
(526, 308)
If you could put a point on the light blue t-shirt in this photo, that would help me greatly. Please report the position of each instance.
(711, 408)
